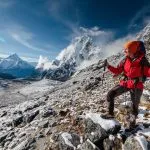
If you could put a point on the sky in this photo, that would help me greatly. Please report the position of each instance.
(32, 28)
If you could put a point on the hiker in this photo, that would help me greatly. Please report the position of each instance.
(135, 68)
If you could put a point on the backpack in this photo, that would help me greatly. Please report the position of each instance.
(144, 62)
(142, 47)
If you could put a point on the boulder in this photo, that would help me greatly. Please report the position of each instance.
(25, 144)
(136, 143)
(3, 137)
(88, 145)
(68, 141)
(17, 121)
(93, 131)
(110, 126)
(30, 116)
(4, 113)
(43, 124)
(113, 142)
(47, 111)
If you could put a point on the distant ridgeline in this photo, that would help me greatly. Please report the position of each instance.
(14, 67)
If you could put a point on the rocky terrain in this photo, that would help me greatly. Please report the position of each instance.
(66, 116)
(54, 115)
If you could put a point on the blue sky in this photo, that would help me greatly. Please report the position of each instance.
(44, 27)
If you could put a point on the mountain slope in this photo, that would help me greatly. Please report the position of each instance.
(67, 115)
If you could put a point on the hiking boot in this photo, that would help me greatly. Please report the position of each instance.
(133, 122)
(107, 115)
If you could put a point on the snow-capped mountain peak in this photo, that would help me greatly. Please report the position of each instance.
(14, 61)
(15, 66)
(14, 56)
(81, 49)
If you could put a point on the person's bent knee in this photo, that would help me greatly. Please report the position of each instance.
(111, 95)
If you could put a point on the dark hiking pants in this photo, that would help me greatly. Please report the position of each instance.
(118, 90)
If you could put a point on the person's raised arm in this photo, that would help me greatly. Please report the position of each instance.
(116, 70)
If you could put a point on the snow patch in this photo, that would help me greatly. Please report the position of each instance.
(94, 147)
(146, 92)
(104, 123)
(127, 103)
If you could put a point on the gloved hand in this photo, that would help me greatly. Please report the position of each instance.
(106, 64)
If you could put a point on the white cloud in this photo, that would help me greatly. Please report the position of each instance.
(93, 31)
(3, 55)
(111, 48)
(29, 59)
(44, 63)
(100, 37)
(26, 38)
(117, 45)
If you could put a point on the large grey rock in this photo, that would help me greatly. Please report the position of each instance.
(4, 113)
(110, 126)
(17, 121)
(47, 111)
(88, 145)
(94, 131)
(43, 124)
(10, 136)
(68, 141)
(26, 144)
(113, 142)
(3, 137)
(133, 144)
(30, 116)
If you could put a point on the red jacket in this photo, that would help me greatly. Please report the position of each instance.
(131, 69)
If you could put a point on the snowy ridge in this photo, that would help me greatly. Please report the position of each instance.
(144, 34)
(81, 50)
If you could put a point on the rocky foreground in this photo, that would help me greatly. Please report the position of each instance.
(66, 116)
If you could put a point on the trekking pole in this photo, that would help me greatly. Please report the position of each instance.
(125, 99)
(104, 65)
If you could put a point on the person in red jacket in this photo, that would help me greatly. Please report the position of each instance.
(134, 68)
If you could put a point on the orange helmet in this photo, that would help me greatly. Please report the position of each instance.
(132, 46)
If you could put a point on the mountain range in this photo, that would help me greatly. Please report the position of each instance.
(80, 53)
(16, 67)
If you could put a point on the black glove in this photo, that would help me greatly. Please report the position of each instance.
(105, 63)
